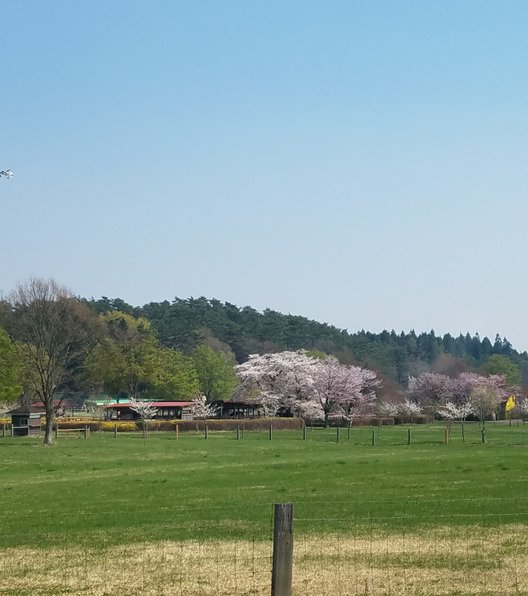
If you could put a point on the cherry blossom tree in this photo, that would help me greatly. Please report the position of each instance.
(410, 408)
(388, 408)
(308, 387)
(146, 412)
(485, 400)
(144, 409)
(430, 389)
(522, 407)
(283, 379)
(343, 389)
(201, 409)
(456, 411)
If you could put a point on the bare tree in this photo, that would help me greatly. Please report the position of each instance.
(53, 332)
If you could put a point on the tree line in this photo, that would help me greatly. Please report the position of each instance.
(185, 323)
(51, 340)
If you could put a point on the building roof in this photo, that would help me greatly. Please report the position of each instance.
(26, 410)
(57, 403)
(156, 404)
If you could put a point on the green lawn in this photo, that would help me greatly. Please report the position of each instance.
(126, 489)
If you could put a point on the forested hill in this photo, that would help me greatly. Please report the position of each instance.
(185, 323)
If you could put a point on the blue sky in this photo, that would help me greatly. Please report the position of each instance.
(360, 163)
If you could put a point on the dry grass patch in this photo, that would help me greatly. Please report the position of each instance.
(461, 561)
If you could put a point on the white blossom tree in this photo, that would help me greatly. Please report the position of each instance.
(388, 408)
(485, 400)
(522, 407)
(342, 389)
(146, 412)
(410, 408)
(306, 386)
(282, 380)
(201, 409)
(144, 409)
(456, 411)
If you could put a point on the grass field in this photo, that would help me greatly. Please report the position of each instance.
(194, 516)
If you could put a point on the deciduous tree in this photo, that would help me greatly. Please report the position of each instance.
(10, 370)
(53, 333)
(216, 372)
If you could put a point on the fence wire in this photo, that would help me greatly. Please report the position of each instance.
(356, 552)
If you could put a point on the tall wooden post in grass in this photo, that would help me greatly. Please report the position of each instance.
(3, 430)
(115, 430)
(282, 572)
(271, 432)
(304, 432)
(373, 437)
(446, 436)
(238, 432)
(409, 436)
(177, 430)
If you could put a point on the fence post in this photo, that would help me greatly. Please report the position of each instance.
(373, 437)
(409, 437)
(271, 432)
(177, 429)
(338, 434)
(281, 576)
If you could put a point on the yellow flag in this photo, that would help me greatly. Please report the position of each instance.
(510, 404)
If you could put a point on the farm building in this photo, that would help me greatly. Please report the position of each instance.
(166, 410)
(238, 409)
(26, 420)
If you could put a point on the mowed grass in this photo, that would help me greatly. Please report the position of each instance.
(113, 491)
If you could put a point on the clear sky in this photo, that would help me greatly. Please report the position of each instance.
(362, 162)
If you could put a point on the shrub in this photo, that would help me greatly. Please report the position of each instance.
(125, 426)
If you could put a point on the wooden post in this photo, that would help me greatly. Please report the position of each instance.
(281, 575)
(409, 437)
(3, 429)
(177, 429)
(115, 430)
(85, 431)
(338, 434)
(271, 432)
(304, 433)
(206, 431)
(238, 432)
(446, 436)
(12, 431)
(373, 437)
